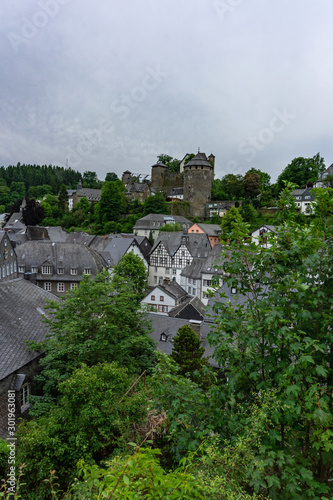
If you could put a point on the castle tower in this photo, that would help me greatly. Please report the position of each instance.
(198, 179)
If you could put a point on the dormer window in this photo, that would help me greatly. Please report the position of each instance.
(46, 269)
(87, 270)
(163, 337)
(74, 271)
(61, 270)
(233, 290)
(21, 269)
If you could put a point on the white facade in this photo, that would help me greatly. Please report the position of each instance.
(163, 266)
(159, 301)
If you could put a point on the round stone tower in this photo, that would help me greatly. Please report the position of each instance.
(198, 179)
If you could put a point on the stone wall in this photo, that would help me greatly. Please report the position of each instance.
(162, 179)
(197, 188)
(30, 370)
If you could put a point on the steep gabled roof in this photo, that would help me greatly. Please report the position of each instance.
(192, 308)
(22, 308)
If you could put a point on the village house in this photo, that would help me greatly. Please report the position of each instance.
(172, 252)
(213, 232)
(303, 199)
(164, 297)
(8, 260)
(22, 308)
(57, 267)
(151, 224)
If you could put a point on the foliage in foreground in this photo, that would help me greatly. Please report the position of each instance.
(281, 337)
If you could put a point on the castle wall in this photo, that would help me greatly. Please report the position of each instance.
(163, 179)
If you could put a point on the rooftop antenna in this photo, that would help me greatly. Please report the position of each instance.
(198, 149)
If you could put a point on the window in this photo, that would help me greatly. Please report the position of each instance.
(11, 268)
(153, 298)
(163, 337)
(73, 286)
(73, 271)
(155, 279)
(8, 270)
(34, 269)
(167, 270)
(11, 253)
(46, 269)
(207, 282)
(48, 286)
(24, 394)
(161, 298)
(5, 242)
(87, 270)
(4, 271)
(174, 271)
(21, 269)
(60, 287)
(15, 267)
(61, 270)
(0, 273)
(233, 290)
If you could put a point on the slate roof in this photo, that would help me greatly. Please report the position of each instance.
(200, 159)
(112, 248)
(89, 193)
(170, 326)
(192, 308)
(214, 259)
(175, 192)
(22, 306)
(154, 221)
(68, 255)
(194, 269)
(210, 229)
(197, 243)
(80, 237)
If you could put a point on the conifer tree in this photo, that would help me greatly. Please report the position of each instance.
(188, 353)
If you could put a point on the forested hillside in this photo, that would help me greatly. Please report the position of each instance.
(34, 181)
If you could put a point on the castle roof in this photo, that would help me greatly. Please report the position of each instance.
(200, 159)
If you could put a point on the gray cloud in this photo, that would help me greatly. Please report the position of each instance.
(109, 86)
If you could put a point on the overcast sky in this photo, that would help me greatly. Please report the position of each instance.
(108, 85)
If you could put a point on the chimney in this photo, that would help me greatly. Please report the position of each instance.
(196, 327)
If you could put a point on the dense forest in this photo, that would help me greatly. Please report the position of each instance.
(115, 419)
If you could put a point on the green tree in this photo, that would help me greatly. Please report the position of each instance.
(265, 179)
(111, 176)
(302, 171)
(155, 204)
(248, 213)
(230, 221)
(110, 204)
(33, 213)
(96, 412)
(278, 335)
(90, 180)
(172, 163)
(188, 353)
(63, 198)
(252, 184)
(99, 321)
(171, 228)
(217, 190)
(233, 186)
(133, 270)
